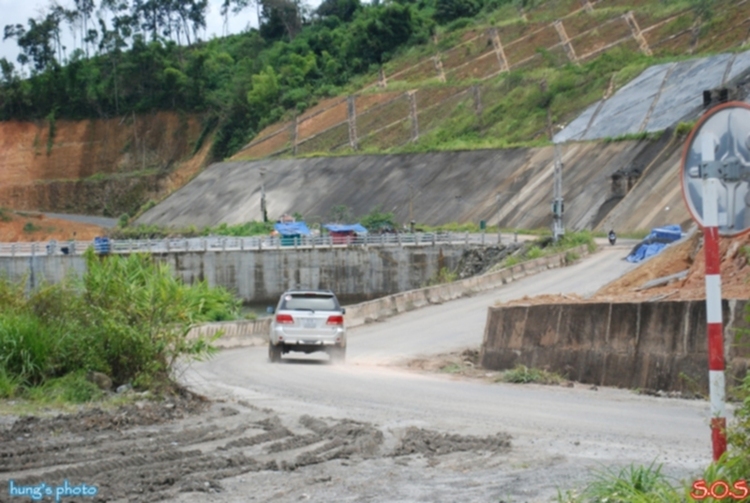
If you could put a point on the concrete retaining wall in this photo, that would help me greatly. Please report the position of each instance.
(249, 333)
(649, 345)
(355, 274)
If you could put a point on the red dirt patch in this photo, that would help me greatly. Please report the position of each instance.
(40, 228)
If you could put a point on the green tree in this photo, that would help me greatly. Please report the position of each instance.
(450, 10)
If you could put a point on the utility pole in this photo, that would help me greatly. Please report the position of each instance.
(411, 202)
(558, 206)
(263, 209)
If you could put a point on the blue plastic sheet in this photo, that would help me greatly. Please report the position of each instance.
(292, 229)
(346, 228)
(645, 251)
(655, 242)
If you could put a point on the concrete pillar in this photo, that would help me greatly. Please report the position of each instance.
(352, 118)
(565, 41)
(439, 67)
(413, 114)
(637, 33)
(497, 45)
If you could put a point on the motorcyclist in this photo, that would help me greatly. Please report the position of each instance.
(612, 237)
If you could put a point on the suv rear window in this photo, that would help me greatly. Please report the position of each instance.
(309, 301)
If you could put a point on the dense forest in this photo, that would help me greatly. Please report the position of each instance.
(134, 56)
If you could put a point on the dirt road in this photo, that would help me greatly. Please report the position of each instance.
(558, 434)
(305, 430)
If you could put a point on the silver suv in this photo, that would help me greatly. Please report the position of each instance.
(308, 321)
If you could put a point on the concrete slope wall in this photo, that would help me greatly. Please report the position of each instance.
(657, 196)
(355, 274)
(512, 187)
(634, 345)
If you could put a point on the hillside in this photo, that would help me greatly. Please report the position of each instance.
(488, 81)
(491, 85)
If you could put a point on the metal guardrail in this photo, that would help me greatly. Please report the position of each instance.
(222, 243)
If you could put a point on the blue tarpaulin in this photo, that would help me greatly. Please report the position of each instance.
(655, 242)
(292, 229)
(346, 228)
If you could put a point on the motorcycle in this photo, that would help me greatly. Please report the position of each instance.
(612, 237)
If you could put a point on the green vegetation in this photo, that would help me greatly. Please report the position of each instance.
(30, 227)
(445, 275)
(140, 56)
(127, 317)
(452, 368)
(545, 247)
(684, 128)
(523, 375)
(133, 56)
(144, 231)
(378, 220)
(634, 484)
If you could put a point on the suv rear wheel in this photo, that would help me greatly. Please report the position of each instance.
(337, 354)
(274, 353)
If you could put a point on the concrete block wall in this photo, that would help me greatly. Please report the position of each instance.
(649, 345)
(355, 274)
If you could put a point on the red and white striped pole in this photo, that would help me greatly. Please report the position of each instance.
(713, 304)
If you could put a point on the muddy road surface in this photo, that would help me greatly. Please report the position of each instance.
(368, 430)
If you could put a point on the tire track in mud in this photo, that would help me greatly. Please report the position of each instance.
(163, 449)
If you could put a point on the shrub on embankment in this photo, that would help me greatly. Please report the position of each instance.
(127, 318)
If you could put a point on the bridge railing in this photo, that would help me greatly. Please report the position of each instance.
(228, 243)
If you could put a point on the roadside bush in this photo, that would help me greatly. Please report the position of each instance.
(127, 317)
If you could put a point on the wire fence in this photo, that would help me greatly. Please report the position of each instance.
(219, 244)
(577, 36)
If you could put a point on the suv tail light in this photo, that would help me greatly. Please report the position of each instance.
(284, 319)
(335, 319)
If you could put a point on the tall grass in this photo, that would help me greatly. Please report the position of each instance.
(633, 484)
(127, 317)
